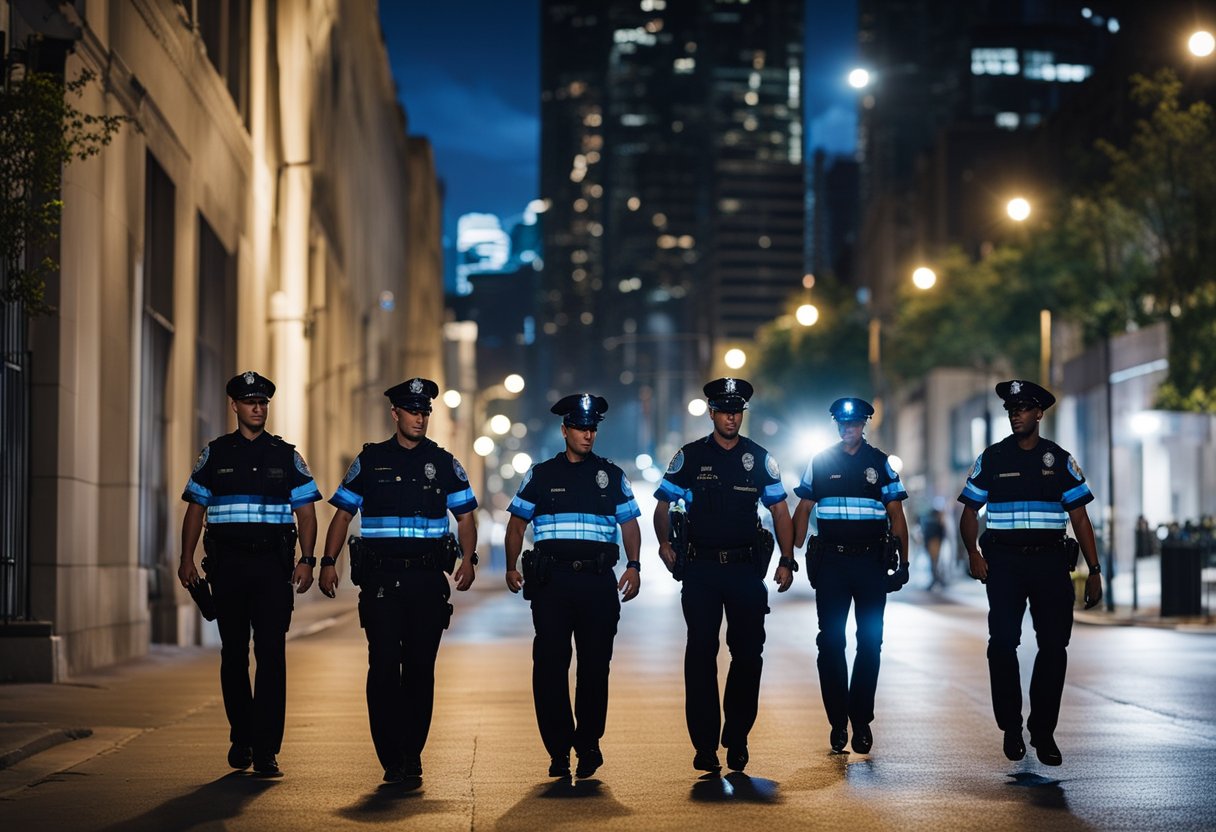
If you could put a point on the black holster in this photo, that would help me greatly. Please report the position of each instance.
(1072, 553)
(450, 553)
(677, 536)
(814, 558)
(891, 551)
(762, 550)
(535, 568)
(363, 561)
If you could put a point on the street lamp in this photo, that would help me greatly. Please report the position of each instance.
(807, 314)
(735, 358)
(1018, 209)
(513, 383)
(859, 78)
(697, 407)
(924, 278)
(1201, 44)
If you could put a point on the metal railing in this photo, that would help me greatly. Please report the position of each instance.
(14, 465)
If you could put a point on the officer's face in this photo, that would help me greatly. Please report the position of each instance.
(251, 413)
(1024, 419)
(411, 424)
(579, 441)
(851, 431)
(726, 424)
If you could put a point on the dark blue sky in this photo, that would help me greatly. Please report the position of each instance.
(468, 75)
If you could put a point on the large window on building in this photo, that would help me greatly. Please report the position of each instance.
(224, 27)
(215, 350)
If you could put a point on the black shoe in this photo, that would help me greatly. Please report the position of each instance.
(1046, 750)
(736, 758)
(240, 756)
(588, 761)
(266, 765)
(706, 761)
(1015, 749)
(412, 766)
(394, 774)
(559, 766)
(839, 739)
(863, 740)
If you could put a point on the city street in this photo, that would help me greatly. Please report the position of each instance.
(1138, 735)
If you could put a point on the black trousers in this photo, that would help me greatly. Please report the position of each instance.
(403, 615)
(252, 591)
(583, 606)
(709, 588)
(860, 581)
(1042, 579)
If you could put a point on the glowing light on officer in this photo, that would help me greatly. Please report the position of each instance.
(643, 461)
(452, 398)
(514, 383)
(1201, 44)
(521, 462)
(483, 446)
(924, 278)
(859, 78)
(1018, 209)
(807, 314)
(735, 358)
(896, 463)
(697, 407)
(500, 424)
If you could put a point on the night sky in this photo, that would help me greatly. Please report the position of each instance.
(468, 75)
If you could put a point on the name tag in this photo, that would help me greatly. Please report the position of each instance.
(835, 476)
(1010, 474)
(745, 488)
(557, 490)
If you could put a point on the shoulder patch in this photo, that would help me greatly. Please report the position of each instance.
(353, 470)
(770, 465)
(527, 479)
(626, 487)
(677, 462)
(301, 465)
(203, 456)
(1074, 468)
(461, 474)
(975, 471)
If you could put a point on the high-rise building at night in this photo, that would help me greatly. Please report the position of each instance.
(671, 161)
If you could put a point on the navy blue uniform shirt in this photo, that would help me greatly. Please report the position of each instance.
(851, 492)
(567, 500)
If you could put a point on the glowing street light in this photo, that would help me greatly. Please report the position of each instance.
(924, 278)
(1201, 44)
(452, 398)
(697, 407)
(807, 314)
(521, 462)
(483, 446)
(859, 78)
(500, 424)
(735, 358)
(513, 383)
(643, 461)
(1018, 209)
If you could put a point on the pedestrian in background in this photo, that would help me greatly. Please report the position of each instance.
(404, 486)
(858, 502)
(720, 478)
(933, 532)
(574, 502)
(246, 485)
(1033, 488)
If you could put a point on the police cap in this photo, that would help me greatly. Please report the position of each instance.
(413, 394)
(851, 409)
(1022, 395)
(729, 395)
(250, 385)
(581, 410)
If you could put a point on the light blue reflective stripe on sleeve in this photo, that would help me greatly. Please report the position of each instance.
(247, 508)
(1074, 495)
(671, 493)
(1026, 515)
(521, 508)
(462, 502)
(304, 494)
(894, 491)
(627, 511)
(974, 494)
(597, 528)
(195, 493)
(417, 527)
(849, 508)
(773, 494)
(346, 500)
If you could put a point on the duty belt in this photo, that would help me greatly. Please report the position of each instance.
(1024, 548)
(397, 563)
(577, 565)
(739, 554)
(853, 549)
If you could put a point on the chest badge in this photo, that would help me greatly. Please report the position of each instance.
(749, 462)
(871, 476)
(601, 478)
(1049, 459)
(429, 470)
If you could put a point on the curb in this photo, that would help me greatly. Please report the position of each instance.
(48, 738)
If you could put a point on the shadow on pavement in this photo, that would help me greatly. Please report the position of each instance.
(823, 774)
(392, 801)
(1043, 792)
(215, 802)
(735, 787)
(578, 803)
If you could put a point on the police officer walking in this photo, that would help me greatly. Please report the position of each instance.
(574, 501)
(404, 486)
(857, 497)
(1032, 488)
(246, 485)
(720, 478)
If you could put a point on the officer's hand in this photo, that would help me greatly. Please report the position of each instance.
(629, 584)
(515, 581)
(329, 581)
(783, 577)
(187, 573)
(897, 579)
(465, 574)
(978, 567)
(668, 555)
(302, 577)
(1093, 590)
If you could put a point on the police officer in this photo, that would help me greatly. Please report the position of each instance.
(1033, 488)
(404, 486)
(720, 478)
(574, 501)
(246, 485)
(858, 503)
